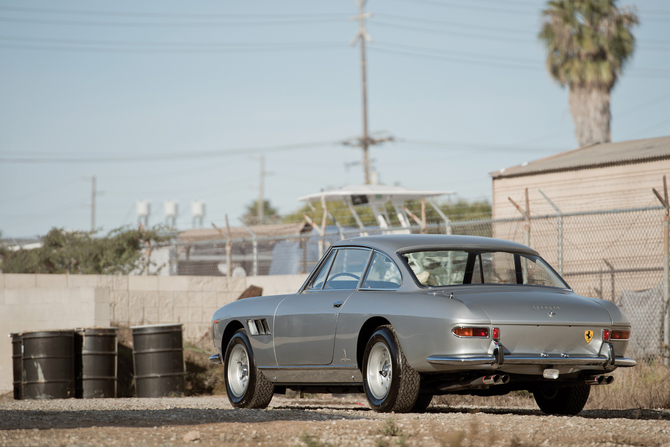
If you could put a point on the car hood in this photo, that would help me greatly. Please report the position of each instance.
(533, 305)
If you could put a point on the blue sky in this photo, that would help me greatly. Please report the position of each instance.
(185, 93)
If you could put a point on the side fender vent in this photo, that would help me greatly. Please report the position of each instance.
(258, 327)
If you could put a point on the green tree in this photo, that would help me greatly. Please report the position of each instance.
(588, 43)
(270, 213)
(458, 211)
(120, 252)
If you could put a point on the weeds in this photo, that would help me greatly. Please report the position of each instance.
(311, 441)
(391, 430)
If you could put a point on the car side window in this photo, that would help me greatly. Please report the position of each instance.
(317, 282)
(347, 269)
(383, 274)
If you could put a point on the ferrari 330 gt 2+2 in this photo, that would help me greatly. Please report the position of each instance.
(403, 318)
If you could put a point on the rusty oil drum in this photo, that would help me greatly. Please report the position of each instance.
(158, 355)
(96, 362)
(48, 364)
(17, 364)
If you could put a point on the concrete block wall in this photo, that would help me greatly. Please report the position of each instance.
(43, 302)
(190, 300)
(31, 302)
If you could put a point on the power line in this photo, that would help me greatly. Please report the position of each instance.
(163, 15)
(188, 51)
(469, 7)
(449, 32)
(456, 145)
(458, 25)
(618, 114)
(165, 24)
(487, 57)
(126, 43)
(455, 33)
(502, 62)
(458, 59)
(652, 127)
(166, 156)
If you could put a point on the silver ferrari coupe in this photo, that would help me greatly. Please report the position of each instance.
(406, 317)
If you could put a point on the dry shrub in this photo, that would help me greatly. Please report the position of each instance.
(646, 385)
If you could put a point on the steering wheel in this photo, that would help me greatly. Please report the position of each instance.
(344, 274)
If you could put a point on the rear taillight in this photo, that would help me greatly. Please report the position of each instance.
(496, 333)
(620, 335)
(606, 334)
(471, 331)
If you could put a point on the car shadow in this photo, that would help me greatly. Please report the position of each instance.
(634, 413)
(18, 419)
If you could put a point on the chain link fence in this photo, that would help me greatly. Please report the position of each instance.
(616, 255)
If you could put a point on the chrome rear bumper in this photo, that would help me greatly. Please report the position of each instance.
(497, 360)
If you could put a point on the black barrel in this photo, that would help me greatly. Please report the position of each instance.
(48, 364)
(17, 364)
(158, 353)
(95, 361)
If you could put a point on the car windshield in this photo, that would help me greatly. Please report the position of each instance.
(454, 267)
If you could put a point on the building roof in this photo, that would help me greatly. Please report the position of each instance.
(593, 156)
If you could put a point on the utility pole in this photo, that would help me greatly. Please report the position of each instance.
(93, 193)
(260, 206)
(365, 141)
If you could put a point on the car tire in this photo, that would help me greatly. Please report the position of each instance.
(391, 385)
(422, 403)
(563, 401)
(246, 385)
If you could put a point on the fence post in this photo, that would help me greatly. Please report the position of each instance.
(559, 221)
(254, 248)
(666, 270)
(526, 216)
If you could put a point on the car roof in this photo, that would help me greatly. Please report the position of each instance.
(392, 243)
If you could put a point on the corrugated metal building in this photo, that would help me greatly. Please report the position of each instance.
(600, 176)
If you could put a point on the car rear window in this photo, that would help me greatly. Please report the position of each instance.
(453, 267)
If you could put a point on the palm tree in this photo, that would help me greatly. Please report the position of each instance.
(588, 42)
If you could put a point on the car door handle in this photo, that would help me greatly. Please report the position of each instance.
(338, 303)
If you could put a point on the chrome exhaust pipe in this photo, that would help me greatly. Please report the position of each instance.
(599, 380)
(488, 380)
(495, 379)
(594, 380)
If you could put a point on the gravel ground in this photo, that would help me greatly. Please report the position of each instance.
(313, 422)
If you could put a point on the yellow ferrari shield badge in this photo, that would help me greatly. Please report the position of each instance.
(588, 336)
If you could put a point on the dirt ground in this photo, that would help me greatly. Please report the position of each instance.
(314, 421)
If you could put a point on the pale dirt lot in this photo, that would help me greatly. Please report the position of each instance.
(322, 420)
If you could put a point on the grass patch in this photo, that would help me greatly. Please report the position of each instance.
(646, 385)
(312, 441)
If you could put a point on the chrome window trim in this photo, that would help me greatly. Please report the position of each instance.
(338, 249)
(401, 252)
(316, 271)
(367, 271)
